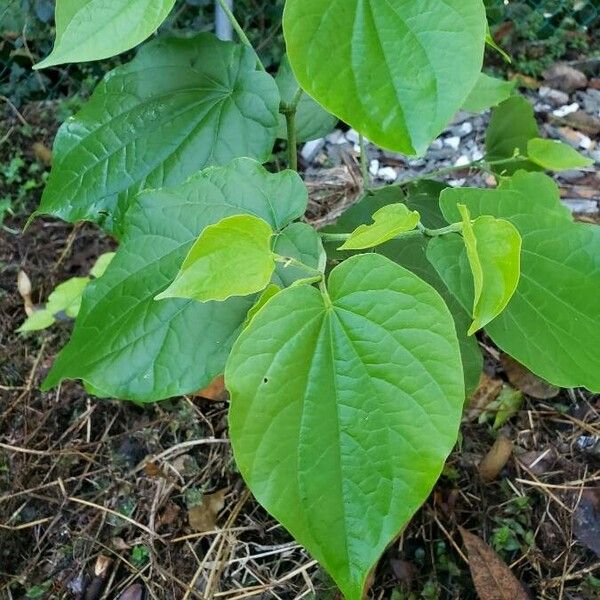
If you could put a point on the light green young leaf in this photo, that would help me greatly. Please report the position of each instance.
(511, 127)
(66, 297)
(230, 258)
(494, 253)
(556, 156)
(312, 120)
(180, 105)
(127, 345)
(410, 253)
(388, 222)
(488, 92)
(331, 399)
(101, 264)
(552, 323)
(38, 320)
(96, 29)
(389, 68)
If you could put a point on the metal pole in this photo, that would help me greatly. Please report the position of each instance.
(223, 27)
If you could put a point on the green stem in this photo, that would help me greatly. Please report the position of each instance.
(289, 112)
(364, 163)
(454, 228)
(238, 29)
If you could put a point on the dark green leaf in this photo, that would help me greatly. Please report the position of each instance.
(180, 105)
(126, 344)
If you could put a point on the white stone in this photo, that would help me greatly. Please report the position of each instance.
(311, 149)
(336, 137)
(462, 161)
(374, 167)
(465, 129)
(352, 136)
(387, 174)
(585, 142)
(437, 144)
(453, 142)
(478, 154)
(563, 111)
(457, 182)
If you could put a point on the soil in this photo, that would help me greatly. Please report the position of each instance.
(95, 495)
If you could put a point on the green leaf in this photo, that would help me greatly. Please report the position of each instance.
(552, 323)
(388, 222)
(411, 254)
(488, 92)
(312, 120)
(101, 264)
(511, 127)
(389, 68)
(270, 291)
(230, 258)
(127, 345)
(66, 297)
(556, 156)
(38, 320)
(493, 249)
(96, 29)
(180, 105)
(331, 399)
(302, 243)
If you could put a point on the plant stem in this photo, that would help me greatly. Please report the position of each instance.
(364, 163)
(238, 29)
(454, 228)
(289, 112)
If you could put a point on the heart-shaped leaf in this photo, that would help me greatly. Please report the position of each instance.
(332, 397)
(389, 68)
(230, 258)
(96, 29)
(180, 105)
(126, 344)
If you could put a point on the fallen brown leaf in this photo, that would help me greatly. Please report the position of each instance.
(523, 379)
(169, 515)
(42, 152)
(495, 460)
(133, 592)
(204, 516)
(215, 390)
(488, 390)
(492, 578)
(586, 520)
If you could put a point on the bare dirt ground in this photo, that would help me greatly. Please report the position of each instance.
(100, 498)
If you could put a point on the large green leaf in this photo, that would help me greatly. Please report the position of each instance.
(411, 254)
(396, 70)
(556, 156)
(96, 29)
(511, 127)
(230, 258)
(312, 120)
(552, 323)
(332, 398)
(181, 105)
(128, 345)
(488, 92)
